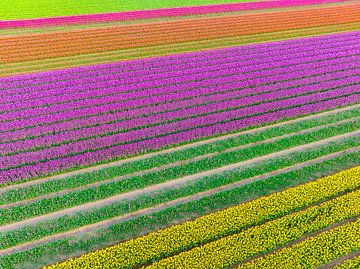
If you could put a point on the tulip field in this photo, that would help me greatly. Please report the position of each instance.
(180, 134)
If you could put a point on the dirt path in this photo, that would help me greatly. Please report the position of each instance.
(340, 260)
(170, 150)
(65, 191)
(92, 228)
(167, 184)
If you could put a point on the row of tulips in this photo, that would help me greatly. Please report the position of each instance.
(268, 236)
(59, 112)
(124, 230)
(125, 184)
(71, 123)
(315, 251)
(205, 72)
(230, 181)
(177, 238)
(69, 82)
(76, 154)
(176, 155)
(231, 101)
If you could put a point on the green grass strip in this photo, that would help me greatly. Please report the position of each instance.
(52, 186)
(259, 239)
(23, 9)
(316, 250)
(134, 227)
(77, 197)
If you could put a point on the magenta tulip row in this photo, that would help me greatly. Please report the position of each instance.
(125, 137)
(125, 120)
(151, 143)
(63, 112)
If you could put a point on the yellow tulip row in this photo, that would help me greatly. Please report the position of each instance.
(174, 239)
(314, 251)
(349, 264)
(265, 237)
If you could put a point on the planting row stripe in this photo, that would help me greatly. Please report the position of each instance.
(232, 102)
(177, 155)
(314, 251)
(143, 160)
(171, 93)
(158, 216)
(104, 216)
(190, 123)
(119, 77)
(234, 219)
(151, 14)
(265, 237)
(175, 138)
(206, 165)
(113, 56)
(123, 32)
(11, 55)
(153, 64)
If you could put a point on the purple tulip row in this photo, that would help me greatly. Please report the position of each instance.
(178, 101)
(101, 89)
(142, 64)
(132, 119)
(74, 84)
(49, 166)
(64, 112)
(97, 143)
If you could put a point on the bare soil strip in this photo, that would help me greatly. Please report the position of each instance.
(65, 191)
(170, 150)
(340, 260)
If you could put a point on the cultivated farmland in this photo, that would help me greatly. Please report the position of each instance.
(198, 134)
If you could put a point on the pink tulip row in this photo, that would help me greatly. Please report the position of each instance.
(155, 142)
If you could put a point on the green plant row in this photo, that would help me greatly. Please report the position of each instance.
(259, 239)
(47, 205)
(134, 227)
(73, 221)
(23, 193)
(315, 251)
